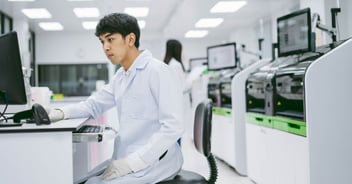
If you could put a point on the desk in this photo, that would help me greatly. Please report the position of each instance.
(38, 154)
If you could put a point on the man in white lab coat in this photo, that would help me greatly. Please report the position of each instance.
(149, 106)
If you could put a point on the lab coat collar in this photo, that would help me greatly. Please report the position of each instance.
(139, 64)
(142, 59)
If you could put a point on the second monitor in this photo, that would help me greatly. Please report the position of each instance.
(222, 56)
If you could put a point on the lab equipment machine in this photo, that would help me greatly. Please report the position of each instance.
(238, 96)
(197, 62)
(222, 66)
(289, 119)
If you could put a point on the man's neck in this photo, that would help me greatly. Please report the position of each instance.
(131, 58)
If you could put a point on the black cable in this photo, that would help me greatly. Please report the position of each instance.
(3, 95)
(213, 169)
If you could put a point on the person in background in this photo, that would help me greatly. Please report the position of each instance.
(173, 57)
(149, 108)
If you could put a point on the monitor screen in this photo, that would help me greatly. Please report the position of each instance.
(11, 76)
(196, 62)
(294, 33)
(221, 56)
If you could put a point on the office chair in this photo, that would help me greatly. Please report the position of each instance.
(202, 137)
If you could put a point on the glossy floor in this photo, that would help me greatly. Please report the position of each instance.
(194, 161)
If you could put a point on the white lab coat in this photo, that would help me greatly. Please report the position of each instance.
(186, 87)
(150, 118)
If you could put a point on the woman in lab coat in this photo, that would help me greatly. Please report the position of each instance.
(173, 57)
(149, 108)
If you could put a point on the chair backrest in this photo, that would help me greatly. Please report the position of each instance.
(202, 127)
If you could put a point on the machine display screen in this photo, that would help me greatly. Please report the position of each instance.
(294, 33)
(196, 62)
(222, 56)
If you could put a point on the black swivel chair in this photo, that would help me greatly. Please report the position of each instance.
(202, 137)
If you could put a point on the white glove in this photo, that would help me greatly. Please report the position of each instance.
(117, 168)
(55, 114)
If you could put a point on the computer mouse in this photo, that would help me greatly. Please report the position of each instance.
(40, 115)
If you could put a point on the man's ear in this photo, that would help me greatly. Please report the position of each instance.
(131, 39)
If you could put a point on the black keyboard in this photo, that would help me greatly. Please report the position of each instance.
(90, 129)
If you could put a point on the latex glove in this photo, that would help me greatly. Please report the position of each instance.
(55, 114)
(117, 168)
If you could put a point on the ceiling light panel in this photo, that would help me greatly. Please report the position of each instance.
(196, 33)
(209, 22)
(51, 26)
(137, 11)
(86, 12)
(37, 13)
(141, 24)
(79, 0)
(227, 6)
(137, 0)
(21, 0)
(89, 25)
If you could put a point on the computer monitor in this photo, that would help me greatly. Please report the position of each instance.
(11, 76)
(196, 62)
(222, 56)
(294, 33)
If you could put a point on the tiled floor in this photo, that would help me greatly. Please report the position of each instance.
(194, 161)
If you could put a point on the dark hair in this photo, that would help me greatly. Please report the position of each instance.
(173, 50)
(119, 23)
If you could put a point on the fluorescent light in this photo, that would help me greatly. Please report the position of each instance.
(141, 24)
(37, 13)
(51, 26)
(80, 0)
(89, 25)
(227, 6)
(196, 33)
(137, 11)
(21, 0)
(86, 12)
(210, 22)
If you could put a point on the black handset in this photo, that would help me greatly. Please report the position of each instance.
(36, 115)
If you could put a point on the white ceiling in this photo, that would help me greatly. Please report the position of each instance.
(169, 18)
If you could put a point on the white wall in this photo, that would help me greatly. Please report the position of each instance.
(23, 34)
(68, 48)
(344, 17)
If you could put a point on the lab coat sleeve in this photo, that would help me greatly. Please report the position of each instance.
(94, 106)
(181, 75)
(167, 92)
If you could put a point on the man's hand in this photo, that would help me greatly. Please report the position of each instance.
(117, 168)
(55, 114)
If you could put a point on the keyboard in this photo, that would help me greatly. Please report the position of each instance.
(90, 129)
(9, 123)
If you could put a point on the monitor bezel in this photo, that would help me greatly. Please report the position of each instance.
(16, 96)
(310, 43)
(222, 45)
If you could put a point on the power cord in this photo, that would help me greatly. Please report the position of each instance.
(3, 96)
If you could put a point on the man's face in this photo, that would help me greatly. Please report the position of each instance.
(115, 47)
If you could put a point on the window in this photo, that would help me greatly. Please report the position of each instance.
(72, 80)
